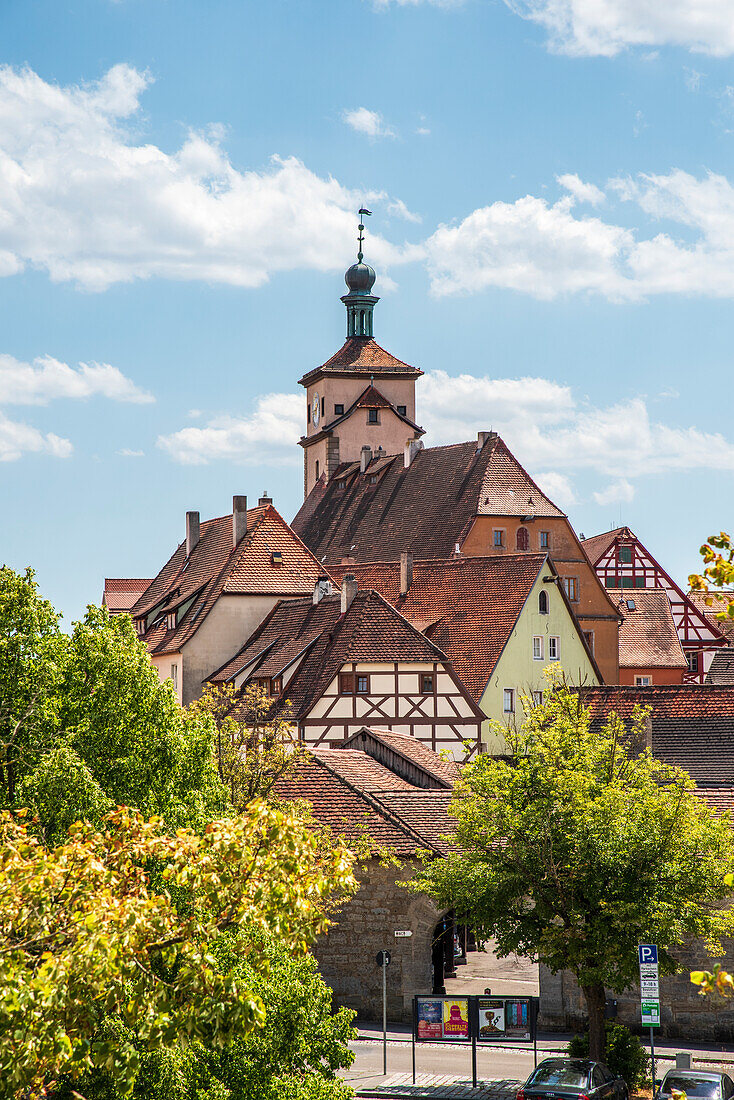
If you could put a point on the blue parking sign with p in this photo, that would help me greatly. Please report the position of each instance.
(648, 953)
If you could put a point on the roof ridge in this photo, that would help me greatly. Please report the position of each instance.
(376, 732)
(393, 818)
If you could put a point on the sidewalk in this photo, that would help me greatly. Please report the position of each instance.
(556, 1043)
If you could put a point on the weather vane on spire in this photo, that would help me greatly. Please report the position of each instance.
(360, 254)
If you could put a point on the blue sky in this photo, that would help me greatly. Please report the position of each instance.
(553, 229)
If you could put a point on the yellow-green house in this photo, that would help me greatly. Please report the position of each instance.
(501, 621)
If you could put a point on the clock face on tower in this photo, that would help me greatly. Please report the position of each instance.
(316, 410)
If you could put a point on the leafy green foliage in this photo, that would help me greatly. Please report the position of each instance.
(87, 935)
(582, 847)
(718, 556)
(625, 1054)
(86, 723)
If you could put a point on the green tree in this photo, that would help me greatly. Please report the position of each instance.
(718, 556)
(582, 847)
(98, 961)
(86, 723)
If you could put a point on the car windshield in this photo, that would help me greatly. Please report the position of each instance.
(560, 1073)
(693, 1086)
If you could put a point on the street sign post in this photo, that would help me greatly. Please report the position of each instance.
(647, 955)
(383, 961)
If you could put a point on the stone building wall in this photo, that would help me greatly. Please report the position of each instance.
(684, 1014)
(366, 925)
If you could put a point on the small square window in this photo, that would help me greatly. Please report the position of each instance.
(538, 648)
(346, 683)
(427, 683)
(537, 698)
(554, 648)
(403, 410)
(643, 681)
(508, 700)
(372, 416)
(338, 410)
(499, 537)
(545, 540)
(639, 582)
(625, 555)
(363, 685)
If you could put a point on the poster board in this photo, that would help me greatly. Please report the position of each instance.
(486, 1019)
(442, 1019)
(504, 1018)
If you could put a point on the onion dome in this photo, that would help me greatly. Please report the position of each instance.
(360, 278)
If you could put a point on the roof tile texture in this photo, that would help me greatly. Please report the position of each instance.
(647, 636)
(361, 355)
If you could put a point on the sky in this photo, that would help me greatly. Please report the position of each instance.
(552, 188)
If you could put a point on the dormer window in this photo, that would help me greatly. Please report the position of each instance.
(171, 620)
(372, 480)
(341, 483)
(338, 410)
(373, 416)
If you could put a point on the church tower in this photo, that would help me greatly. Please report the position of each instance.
(360, 404)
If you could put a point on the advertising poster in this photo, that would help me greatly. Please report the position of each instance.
(430, 1019)
(517, 1018)
(456, 1018)
(491, 1018)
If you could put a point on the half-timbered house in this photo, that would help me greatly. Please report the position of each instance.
(622, 562)
(335, 663)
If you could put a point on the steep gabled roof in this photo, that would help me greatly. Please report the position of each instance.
(214, 568)
(597, 545)
(717, 605)
(417, 754)
(467, 606)
(721, 670)
(647, 635)
(371, 630)
(352, 808)
(427, 508)
(692, 724)
(361, 355)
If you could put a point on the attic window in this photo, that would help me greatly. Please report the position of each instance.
(338, 410)
(171, 620)
(276, 558)
(341, 483)
(403, 410)
(373, 479)
(631, 605)
(373, 416)
(625, 555)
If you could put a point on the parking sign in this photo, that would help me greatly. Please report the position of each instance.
(648, 954)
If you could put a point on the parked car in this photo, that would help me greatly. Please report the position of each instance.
(573, 1079)
(696, 1084)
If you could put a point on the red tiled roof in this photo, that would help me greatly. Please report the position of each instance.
(417, 752)
(427, 508)
(361, 770)
(471, 604)
(692, 724)
(121, 593)
(426, 812)
(597, 545)
(710, 611)
(215, 568)
(647, 636)
(355, 813)
(361, 355)
(719, 798)
(371, 630)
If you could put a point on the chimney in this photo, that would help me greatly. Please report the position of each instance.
(406, 572)
(239, 519)
(365, 458)
(349, 591)
(193, 531)
(320, 589)
(411, 450)
(485, 437)
(265, 499)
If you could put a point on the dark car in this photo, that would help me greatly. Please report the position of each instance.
(572, 1079)
(696, 1084)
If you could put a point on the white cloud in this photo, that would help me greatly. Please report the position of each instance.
(423, 131)
(587, 28)
(619, 492)
(545, 249)
(368, 122)
(127, 453)
(558, 487)
(17, 439)
(84, 198)
(269, 436)
(47, 379)
(584, 192)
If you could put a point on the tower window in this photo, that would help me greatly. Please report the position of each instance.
(338, 410)
(403, 410)
(323, 406)
(317, 469)
(545, 540)
(372, 416)
(308, 413)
